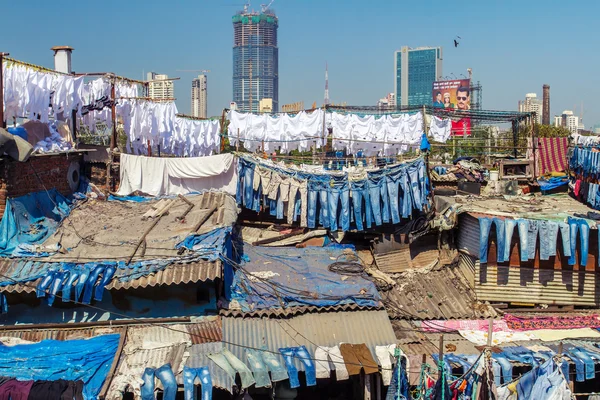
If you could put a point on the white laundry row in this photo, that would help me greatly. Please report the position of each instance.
(282, 131)
(30, 93)
(373, 135)
(147, 122)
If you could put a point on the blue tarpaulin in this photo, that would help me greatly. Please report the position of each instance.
(552, 183)
(272, 277)
(31, 219)
(88, 360)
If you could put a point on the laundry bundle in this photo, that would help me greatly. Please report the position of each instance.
(360, 197)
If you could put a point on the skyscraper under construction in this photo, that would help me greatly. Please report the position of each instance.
(255, 59)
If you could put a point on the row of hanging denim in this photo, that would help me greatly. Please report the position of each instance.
(529, 230)
(585, 162)
(356, 199)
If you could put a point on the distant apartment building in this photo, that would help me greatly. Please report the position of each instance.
(293, 107)
(159, 87)
(415, 70)
(568, 120)
(265, 105)
(532, 104)
(199, 97)
(388, 102)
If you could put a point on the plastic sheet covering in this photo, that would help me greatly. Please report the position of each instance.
(88, 360)
(281, 277)
(31, 219)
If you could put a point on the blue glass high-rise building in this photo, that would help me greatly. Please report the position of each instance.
(255, 60)
(415, 70)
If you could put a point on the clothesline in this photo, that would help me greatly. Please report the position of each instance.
(37, 67)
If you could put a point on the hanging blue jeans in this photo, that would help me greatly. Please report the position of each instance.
(379, 197)
(107, 276)
(239, 192)
(83, 277)
(258, 368)
(338, 189)
(248, 187)
(484, 234)
(60, 279)
(256, 197)
(189, 389)
(360, 192)
(416, 182)
(532, 238)
(576, 224)
(393, 179)
(551, 237)
(165, 374)
(317, 191)
(407, 195)
(565, 234)
(523, 226)
(45, 284)
(73, 277)
(90, 283)
(279, 213)
(289, 354)
(509, 228)
(505, 365)
(585, 361)
(274, 365)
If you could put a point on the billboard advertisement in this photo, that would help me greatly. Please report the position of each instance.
(454, 96)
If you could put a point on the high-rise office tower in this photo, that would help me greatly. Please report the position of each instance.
(415, 70)
(199, 97)
(159, 87)
(255, 59)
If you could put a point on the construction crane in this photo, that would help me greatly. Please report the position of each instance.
(265, 7)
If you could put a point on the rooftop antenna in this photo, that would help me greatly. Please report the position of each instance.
(265, 7)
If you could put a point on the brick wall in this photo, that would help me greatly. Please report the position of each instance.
(96, 173)
(18, 179)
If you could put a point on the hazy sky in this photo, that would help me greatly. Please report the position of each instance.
(513, 47)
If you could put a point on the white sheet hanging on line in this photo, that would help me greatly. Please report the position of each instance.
(290, 132)
(440, 129)
(159, 176)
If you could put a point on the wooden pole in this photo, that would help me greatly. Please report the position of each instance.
(2, 122)
(490, 332)
(237, 143)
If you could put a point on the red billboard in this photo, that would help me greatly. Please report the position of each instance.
(454, 97)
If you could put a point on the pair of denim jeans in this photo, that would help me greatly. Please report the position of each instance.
(501, 363)
(548, 239)
(361, 204)
(378, 196)
(232, 365)
(166, 377)
(301, 353)
(261, 363)
(584, 361)
(339, 191)
(484, 234)
(395, 180)
(318, 187)
(297, 195)
(575, 225)
(189, 377)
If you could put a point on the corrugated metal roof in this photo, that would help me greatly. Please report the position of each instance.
(437, 294)
(197, 271)
(393, 255)
(207, 331)
(291, 311)
(370, 327)
(468, 234)
(535, 286)
(66, 333)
